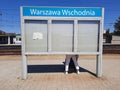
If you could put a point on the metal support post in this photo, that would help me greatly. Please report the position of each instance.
(99, 66)
(24, 67)
(49, 35)
(75, 35)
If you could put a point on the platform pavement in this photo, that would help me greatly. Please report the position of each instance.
(47, 73)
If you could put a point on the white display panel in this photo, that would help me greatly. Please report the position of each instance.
(36, 35)
(88, 36)
(62, 35)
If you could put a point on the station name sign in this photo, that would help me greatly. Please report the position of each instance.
(62, 12)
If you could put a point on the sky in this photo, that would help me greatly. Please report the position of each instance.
(10, 11)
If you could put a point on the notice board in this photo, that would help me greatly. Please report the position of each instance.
(62, 30)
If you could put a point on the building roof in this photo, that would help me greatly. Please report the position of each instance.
(2, 33)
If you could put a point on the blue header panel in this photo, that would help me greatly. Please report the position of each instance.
(62, 12)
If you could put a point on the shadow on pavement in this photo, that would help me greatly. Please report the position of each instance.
(54, 68)
(45, 68)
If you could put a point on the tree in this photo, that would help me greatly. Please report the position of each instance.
(108, 36)
(117, 27)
